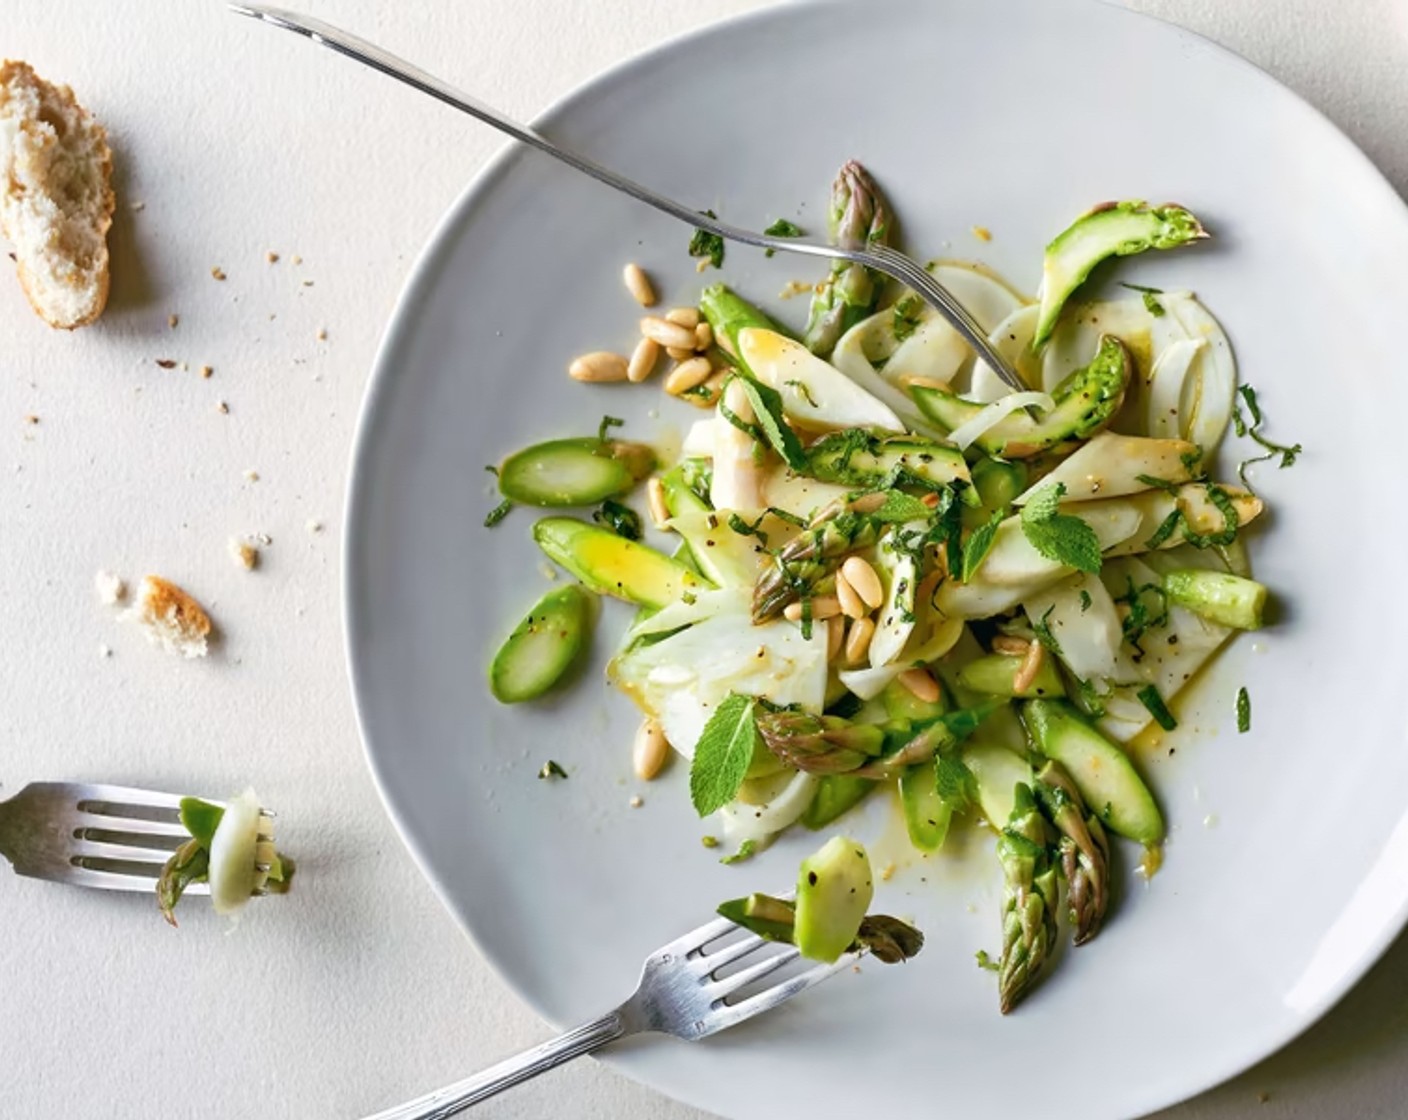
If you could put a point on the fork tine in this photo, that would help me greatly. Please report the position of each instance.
(726, 1016)
(712, 962)
(697, 938)
(87, 848)
(739, 980)
(131, 825)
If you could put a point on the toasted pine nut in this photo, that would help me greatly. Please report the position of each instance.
(667, 333)
(868, 503)
(679, 355)
(684, 316)
(703, 336)
(710, 392)
(600, 365)
(941, 559)
(1013, 647)
(910, 380)
(921, 684)
(650, 749)
(835, 635)
(1030, 667)
(638, 284)
(643, 360)
(930, 499)
(863, 579)
(852, 605)
(858, 640)
(823, 607)
(655, 499)
(687, 375)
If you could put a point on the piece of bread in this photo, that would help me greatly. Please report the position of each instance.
(171, 617)
(57, 200)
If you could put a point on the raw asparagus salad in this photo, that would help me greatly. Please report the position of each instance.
(889, 569)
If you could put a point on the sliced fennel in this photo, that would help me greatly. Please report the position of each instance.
(233, 855)
(814, 393)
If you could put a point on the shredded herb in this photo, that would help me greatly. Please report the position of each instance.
(706, 244)
(552, 770)
(620, 519)
(980, 542)
(1166, 485)
(1059, 536)
(1141, 618)
(607, 423)
(743, 529)
(1042, 629)
(1253, 430)
(1230, 521)
(1166, 529)
(1090, 698)
(1142, 288)
(802, 391)
(986, 962)
(746, 850)
(498, 513)
(906, 313)
(1150, 698)
(788, 516)
(782, 228)
(806, 617)
(1192, 461)
(767, 408)
(1244, 711)
(1152, 305)
(1085, 601)
(493, 470)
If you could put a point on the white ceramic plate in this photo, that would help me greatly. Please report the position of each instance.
(1287, 865)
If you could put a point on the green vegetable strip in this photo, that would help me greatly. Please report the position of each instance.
(859, 216)
(1150, 698)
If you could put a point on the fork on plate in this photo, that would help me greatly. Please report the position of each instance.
(110, 837)
(693, 987)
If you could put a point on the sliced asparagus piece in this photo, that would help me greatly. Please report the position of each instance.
(858, 216)
(927, 815)
(834, 889)
(574, 472)
(806, 559)
(995, 674)
(888, 939)
(996, 482)
(1085, 402)
(1084, 848)
(612, 565)
(1103, 773)
(1219, 597)
(862, 459)
(1116, 229)
(542, 647)
(998, 772)
(836, 794)
(1030, 894)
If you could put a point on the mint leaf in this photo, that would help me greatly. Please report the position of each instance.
(767, 409)
(722, 755)
(1059, 536)
(979, 545)
(706, 244)
(1042, 629)
(783, 228)
(899, 508)
(1085, 601)
(956, 782)
(746, 850)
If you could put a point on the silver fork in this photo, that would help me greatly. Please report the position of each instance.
(110, 837)
(680, 993)
(879, 257)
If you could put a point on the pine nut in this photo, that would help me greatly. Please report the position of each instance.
(1012, 647)
(921, 684)
(914, 380)
(861, 576)
(643, 360)
(1030, 667)
(709, 392)
(835, 635)
(655, 499)
(684, 316)
(823, 608)
(600, 365)
(687, 375)
(678, 355)
(638, 284)
(931, 500)
(852, 605)
(703, 336)
(650, 750)
(858, 640)
(868, 503)
(667, 333)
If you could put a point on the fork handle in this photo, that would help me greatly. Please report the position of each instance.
(456, 1098)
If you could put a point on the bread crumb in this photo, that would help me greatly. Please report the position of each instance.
(322, 334)
(887, 873)
(173, 320)
(251, 476)
(636, 801)
(307, 283)
(171, 617)
(138, 207)
(794, 288)
(264, 539)
(166, 363)
(297, 259)
(223, 408)
(244, 554)
(31, 419)
(218, 273)
(111, 588)
(982, 233)
(272, 257)
(1263, 1097)
(207, 372)
(314, 525)
(104, 650)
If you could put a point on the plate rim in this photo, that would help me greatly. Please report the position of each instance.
(420, 277)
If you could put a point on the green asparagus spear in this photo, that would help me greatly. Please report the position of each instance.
(1029, 899)
(888, 939)
(819, 744)
(808, 558)
(1084, 848)
(859, 216)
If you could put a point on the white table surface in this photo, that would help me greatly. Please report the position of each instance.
(232, 141)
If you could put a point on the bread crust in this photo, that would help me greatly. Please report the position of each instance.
(19, 73)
